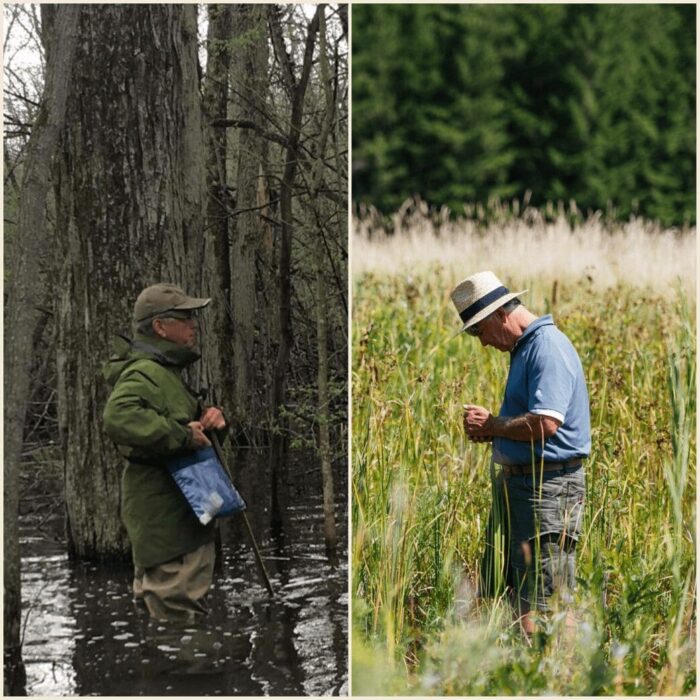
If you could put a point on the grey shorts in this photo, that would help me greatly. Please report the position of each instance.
(531, 537)
(545, 515)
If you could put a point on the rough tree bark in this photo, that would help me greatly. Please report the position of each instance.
(217, 323)
(297, 91)
(130, 214)
(21, 313)
(249, 82)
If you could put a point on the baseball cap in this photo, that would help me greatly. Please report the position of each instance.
(162, 297)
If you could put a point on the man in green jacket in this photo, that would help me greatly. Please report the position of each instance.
(153, 415)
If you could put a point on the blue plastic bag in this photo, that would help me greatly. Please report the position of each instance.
(205, 485)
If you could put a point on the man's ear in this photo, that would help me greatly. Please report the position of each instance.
(501, 314)
(158, 327)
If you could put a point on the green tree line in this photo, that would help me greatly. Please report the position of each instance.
(464, 103)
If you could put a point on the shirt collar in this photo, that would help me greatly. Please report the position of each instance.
(529, 332)
(167, 352)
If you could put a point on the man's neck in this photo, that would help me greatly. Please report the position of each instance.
(519, 319)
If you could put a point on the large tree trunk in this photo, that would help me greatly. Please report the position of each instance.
(218, 325)
(21, 314)
(130, 214)
(249, 88)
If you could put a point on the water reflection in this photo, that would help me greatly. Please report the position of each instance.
(48, 647)
(85, 635)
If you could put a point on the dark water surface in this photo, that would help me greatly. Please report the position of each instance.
(85, 636)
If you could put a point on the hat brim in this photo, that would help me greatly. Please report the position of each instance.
(191, 304)
(489, 310)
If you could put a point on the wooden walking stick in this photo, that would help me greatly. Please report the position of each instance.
(258, 557)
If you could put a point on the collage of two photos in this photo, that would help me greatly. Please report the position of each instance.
(350, 349)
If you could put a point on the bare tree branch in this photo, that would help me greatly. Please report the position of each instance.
(283, 58)
(245, 124)
(24, 98)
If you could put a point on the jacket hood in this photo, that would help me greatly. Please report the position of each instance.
(126, 351)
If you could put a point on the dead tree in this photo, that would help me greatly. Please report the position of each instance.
(249, 87)
(23, 295)
(218, 322)
(296, 88)
(322, 302)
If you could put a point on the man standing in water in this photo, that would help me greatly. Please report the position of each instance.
(153, 415)
(540, 438)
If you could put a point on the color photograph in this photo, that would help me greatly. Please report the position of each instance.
(176, 347)
(523, 247)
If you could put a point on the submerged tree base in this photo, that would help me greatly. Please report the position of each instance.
(15, 679)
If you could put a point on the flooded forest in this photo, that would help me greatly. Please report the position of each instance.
(204, 146)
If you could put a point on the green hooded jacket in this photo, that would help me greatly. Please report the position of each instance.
(146, 416)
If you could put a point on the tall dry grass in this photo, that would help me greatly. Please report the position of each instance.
(525, 242)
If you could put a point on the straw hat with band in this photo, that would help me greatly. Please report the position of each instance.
(479, 295)
(164, 297)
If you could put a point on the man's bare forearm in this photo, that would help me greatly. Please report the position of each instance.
(481, 425)
(527, 427)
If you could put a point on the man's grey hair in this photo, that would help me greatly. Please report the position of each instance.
(145, 327)
(511, 305)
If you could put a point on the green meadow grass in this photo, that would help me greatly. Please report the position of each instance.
(421, 494)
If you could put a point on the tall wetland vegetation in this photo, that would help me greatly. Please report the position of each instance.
(421, 492)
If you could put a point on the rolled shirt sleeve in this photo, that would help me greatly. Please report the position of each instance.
(551, 385)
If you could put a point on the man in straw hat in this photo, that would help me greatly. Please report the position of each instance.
(540, 437)
(152, 415)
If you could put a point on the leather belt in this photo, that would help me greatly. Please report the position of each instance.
(530, 469)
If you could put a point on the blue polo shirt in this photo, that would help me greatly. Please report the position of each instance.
(546, 378)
